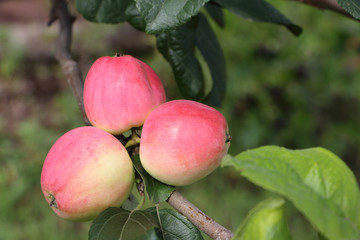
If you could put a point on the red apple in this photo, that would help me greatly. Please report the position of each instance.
(183, 141)
(120, 92)
(86, 171)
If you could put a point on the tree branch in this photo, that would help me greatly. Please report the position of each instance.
(71, 68)
(331, 5)
(198, 218)
(72, 71)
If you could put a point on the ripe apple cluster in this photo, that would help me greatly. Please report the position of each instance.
(88, 170)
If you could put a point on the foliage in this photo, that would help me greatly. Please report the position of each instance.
(157, 191)
(265, 221)
(173, 225)
(152, 223)
(352, 7)
(178, 28)
(317, 182)
(116, 223)
(182, 59)
(176, 22)
(259, 10)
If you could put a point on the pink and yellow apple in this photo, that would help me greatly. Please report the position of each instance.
(183, 141)
(86, 171)
(120, 92)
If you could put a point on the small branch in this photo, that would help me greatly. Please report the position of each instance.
(71, 68)
(198, 218)
(331, 5)
(133, 140)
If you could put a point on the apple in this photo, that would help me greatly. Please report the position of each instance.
(86, 171)
(120, 92)
(183, 141)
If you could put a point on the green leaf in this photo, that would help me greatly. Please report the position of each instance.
(216, 13)
(157, 191)
(259, 11)
(119, 224)
(318, 183)
(321, 237)
(131, 203)
(210, 49)
(174, 226)
(134, 17)
(351, 6)
(164, 15)
(177, 47)
(103, 11)
(151, 235)
(227, 161)
(265, 222)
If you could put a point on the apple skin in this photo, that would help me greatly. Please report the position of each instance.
(183, 141)
(120, 92)
(86, 171)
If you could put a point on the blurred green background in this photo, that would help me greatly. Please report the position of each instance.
(295, 92)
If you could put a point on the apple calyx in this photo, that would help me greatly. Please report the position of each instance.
(53, 201)
(81, 177)
(228, 137)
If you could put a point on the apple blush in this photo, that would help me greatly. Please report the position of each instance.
(86, 171)
(183, 141)
(120, 92)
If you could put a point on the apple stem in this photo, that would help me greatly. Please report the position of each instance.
(118, 54)
(134, 139)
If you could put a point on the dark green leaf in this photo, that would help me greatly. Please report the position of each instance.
(211, 50)
(318, 183)
(321, 237)
(177, 46)
(164, 15)
(216, 13)
(157, 191)
(103, 11)
(351, 6)
(260, 11)
(134, 17)
(120, 224)
(174, 226)
(151, 235)
(265, 222)
(131, 203)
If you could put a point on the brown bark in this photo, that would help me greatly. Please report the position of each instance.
(198, 218)
(71, 69)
